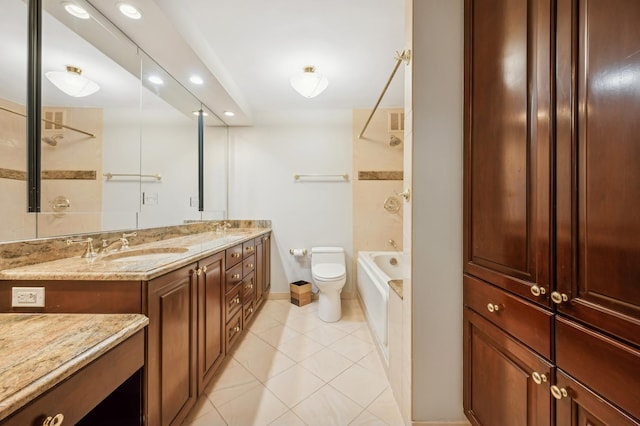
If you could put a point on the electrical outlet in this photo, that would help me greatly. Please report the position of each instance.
(27, 297)
(150, 198)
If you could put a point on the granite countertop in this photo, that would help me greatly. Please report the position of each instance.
(157, 258)
(39, 351)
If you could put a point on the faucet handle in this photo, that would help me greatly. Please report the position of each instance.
(89, 251)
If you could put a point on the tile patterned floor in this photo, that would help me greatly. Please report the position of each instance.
(291, 368)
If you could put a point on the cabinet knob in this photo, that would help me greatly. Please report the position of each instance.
(538, 378)
(53, 421)
(250, 310)
(235, 254)
(204, 268)
(235, 276)
(198, 271)
(250, 265)
(558, 393)
(493, 308)
(559, 297)
(250, 248)
(537, 291)
(237, 300)
(236, 328)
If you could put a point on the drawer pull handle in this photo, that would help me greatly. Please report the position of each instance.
(559, 297)
(250, 310)
(236, 328)
(235, 276)
(493, 308)
(537, 291)
(249, 248)
(235, 254)
(249, 286)
(539, 378)
(237, 299)
(204, 268)
(559, 393)
(250, 265)
(198, 271)
(53, 421)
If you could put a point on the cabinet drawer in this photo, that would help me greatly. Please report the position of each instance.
(608, 367)
(248, 265)
(248, 248)
(233, 330)
(233, 255)
(247, 310)
(530, 323)
(233, 277)
(248, 286)
(233, 301)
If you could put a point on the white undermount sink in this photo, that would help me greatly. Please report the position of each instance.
(143, 254)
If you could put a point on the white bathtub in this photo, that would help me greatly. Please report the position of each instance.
(375, 269)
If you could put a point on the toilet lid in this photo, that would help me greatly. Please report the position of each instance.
(329, 271)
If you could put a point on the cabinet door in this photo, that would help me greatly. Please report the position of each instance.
(171, 358)
(500, 378)
(210, 317)
(259, 272)
(598, 195)
(579, 406)
(507, 208)
(266, 246)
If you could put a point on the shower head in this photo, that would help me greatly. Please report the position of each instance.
(394, 141)
(52, 140)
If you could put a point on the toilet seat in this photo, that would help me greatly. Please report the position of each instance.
(328, 271)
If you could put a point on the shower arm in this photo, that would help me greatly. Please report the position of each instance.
(405, 56)
(51, 122)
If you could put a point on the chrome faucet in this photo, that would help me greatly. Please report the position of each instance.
(122, 241)
(89, 251)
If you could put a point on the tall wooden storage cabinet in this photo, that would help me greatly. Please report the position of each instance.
(552, 212)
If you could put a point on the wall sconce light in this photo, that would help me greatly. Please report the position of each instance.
(309, 83)
(72, 82)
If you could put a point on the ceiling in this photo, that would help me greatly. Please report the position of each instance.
(246, 50)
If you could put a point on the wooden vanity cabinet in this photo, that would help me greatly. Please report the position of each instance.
(211, 341)
(263, 268)
(171, 346)
(552, 208)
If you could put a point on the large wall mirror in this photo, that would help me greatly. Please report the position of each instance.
(124, 156)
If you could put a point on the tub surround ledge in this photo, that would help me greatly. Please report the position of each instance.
(39, 351)
(396, 286)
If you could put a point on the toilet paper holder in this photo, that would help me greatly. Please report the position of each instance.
(298, 252)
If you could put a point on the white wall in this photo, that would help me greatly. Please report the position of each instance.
(437, 97)
(264, 159)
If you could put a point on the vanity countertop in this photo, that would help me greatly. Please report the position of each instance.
(155, 258)
(39, 351)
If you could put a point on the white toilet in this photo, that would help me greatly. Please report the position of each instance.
(329, 276)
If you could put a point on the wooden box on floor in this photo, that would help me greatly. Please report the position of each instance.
(300, 293)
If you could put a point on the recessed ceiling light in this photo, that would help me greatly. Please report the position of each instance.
(204, 113)
(229, 113)
(75, 10)
(155, 79)
(129, 11)
(195, 79)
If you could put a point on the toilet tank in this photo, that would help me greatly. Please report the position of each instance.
(327, 255)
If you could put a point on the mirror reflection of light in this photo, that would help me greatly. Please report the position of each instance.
(155, 80)
(624, 79)
(75, 10)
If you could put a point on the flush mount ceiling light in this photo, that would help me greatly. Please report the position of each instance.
(196, 79)
(129, 11)
(309, 83)
(72, 82)
(75, 10)
(229, 113)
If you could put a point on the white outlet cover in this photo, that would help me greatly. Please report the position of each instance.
(31, 297)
